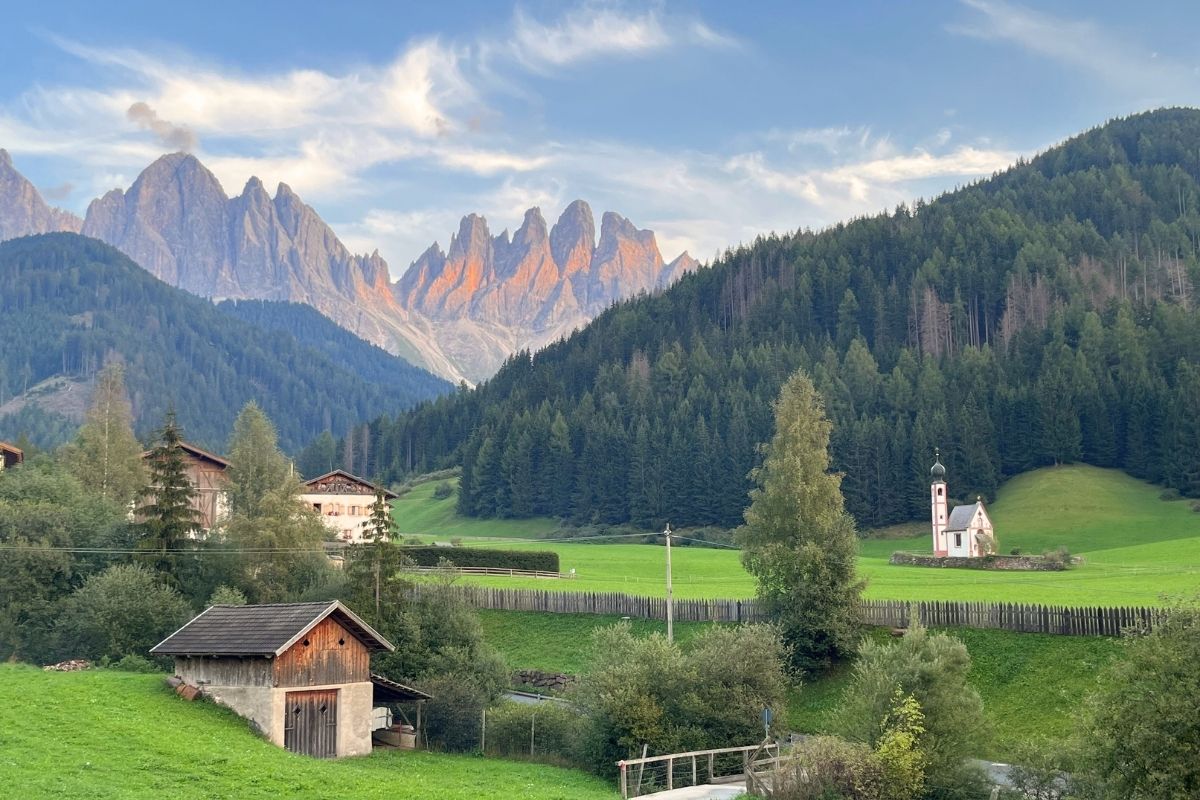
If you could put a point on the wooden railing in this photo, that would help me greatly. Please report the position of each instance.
(1019, 617)
(713, 765)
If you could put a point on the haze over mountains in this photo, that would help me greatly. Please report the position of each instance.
(458, 312)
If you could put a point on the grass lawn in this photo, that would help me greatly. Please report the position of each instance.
(419, 513)
(1136, 546)
(102, 734)
(1029, 683)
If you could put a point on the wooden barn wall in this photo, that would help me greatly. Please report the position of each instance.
(332, 655)
(225, 671)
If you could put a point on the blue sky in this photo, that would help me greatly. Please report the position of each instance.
(709, 122)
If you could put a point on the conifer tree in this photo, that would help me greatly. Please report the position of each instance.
(106, 456)
(256, 465)
(167, 515)
(797, 540)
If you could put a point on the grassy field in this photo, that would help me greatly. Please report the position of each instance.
(116, 735)
(1136, 547)
(1029, 683)
(419, 513)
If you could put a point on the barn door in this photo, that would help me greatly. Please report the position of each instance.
(311, 724)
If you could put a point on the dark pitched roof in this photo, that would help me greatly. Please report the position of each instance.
(198, 452)
(12, 448)
(961, 516)
(389, 691)
(348, 478)
(265, 630)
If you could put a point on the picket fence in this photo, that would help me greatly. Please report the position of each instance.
(1023, 618)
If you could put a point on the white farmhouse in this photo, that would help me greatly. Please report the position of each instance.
(964, 532)
(344, 502)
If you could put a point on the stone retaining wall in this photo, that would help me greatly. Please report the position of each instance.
(1013, 563)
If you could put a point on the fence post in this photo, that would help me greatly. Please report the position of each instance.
(624, 781)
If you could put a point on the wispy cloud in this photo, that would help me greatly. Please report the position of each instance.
(1081, 44)
(596, 30)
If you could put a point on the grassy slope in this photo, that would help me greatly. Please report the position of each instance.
(1136, 547)
(117, 735)
(418, 513)
(1029, 683)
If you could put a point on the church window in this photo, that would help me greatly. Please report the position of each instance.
(958, 540)
(939, 491)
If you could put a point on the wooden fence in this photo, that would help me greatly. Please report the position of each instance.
(1023, 618)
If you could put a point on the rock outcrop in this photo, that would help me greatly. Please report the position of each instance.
(23, 212)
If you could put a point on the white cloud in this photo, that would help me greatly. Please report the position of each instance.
(595, 30)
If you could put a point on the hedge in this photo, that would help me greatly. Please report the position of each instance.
(531, 560)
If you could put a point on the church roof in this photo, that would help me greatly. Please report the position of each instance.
(961, 516)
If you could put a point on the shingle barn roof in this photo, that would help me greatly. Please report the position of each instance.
(263, 630)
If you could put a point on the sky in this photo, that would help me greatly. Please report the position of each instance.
(709, 122)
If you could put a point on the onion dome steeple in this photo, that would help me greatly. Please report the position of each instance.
(937, 471)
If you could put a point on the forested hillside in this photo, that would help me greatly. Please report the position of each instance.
(68, 303)
(1045, 315)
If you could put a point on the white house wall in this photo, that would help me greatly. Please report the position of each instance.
(343, 514)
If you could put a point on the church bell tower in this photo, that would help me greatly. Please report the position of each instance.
(938, 503)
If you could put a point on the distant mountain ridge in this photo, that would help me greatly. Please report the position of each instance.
(460, 313)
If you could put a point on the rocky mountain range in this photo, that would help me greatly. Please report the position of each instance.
(459, 313)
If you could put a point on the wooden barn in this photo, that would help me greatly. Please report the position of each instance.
(300, 671)
(10, 455)
(207, 473)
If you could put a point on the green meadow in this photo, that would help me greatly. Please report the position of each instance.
(1137, 548)
(104, 734)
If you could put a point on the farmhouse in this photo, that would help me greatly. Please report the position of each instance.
(964, 532)
(299, 671)
(208, 475)
(10, 456)
(344, 502)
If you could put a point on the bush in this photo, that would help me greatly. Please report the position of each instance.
(1170, 494)
(122, 611)
(442, 491)
(827, 768)
(557, 731)
(1016, 551)
(1196, 506)
(1059, 555)
(454, 717)
(532, 560)
(649, 691)
(227, 596)
(932, 668)
(133, 663)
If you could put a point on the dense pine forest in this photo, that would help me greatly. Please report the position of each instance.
(1043, 316)
(68, 303)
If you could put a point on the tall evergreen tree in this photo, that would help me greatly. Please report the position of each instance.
(167, 516)
(798, 541)
(256, 465)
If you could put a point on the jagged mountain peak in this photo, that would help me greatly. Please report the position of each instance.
(22, 209)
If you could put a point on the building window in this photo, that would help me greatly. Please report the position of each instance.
(939, 491)
(958, 540)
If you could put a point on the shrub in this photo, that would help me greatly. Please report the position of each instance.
(454, 717)
(649, 691)
(227, 596)
(549, 732)
(1139, 729)
(1016, 551)
(826, 768)
(442, 491)
(122, 611)
(1196, 506)
(539, 560)
(1059, 555)
(1170, 494)
(932, 668)
(133, 663)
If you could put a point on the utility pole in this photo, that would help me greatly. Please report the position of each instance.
(670, 604)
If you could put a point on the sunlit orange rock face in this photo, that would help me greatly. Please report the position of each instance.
(460, 313)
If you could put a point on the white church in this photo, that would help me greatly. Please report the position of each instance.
(965, 531)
